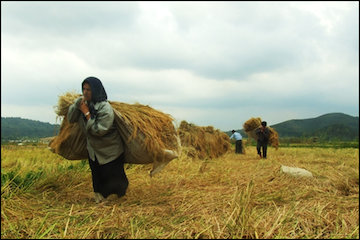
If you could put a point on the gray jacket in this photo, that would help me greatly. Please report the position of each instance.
(103, 139)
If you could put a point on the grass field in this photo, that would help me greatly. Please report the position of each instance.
(234, 196)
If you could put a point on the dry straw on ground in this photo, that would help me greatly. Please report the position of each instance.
(252, 124)
(231, 197)
(202, 142)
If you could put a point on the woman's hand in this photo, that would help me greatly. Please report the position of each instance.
(84, 108)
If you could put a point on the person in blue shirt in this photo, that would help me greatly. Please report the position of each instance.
(238, 142)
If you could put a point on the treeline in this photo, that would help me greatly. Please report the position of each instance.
(326, 128)
(13, 128)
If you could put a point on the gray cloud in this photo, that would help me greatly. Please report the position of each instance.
(62, 18)
(193, 59)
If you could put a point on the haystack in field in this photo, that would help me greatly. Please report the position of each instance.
(252, 124)
(202, 142)
(148, 134)
(71, 141)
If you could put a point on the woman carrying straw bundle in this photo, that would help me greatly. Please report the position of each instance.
(95, 117)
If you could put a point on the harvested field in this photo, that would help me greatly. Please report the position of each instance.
(233, 196)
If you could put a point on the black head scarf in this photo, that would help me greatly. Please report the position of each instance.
(98, 93)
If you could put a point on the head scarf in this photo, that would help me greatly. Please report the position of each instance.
(98, 93)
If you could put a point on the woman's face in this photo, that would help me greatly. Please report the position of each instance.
(87, 92)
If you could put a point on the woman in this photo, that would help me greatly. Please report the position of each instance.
(105, 147)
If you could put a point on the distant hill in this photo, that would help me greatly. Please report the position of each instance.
(13, 128)
(332, 126)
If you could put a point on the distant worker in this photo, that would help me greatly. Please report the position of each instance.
(238, 142)
(263, 135)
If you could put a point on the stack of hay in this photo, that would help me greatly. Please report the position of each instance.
(148, 134)
(71, 141)
(202, 142)
(252, 124)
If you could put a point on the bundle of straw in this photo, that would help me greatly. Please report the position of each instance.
(149, 134)
(156, 127)
(252, 124)
(274, 138)
(202, 142)
(71, 141)
(64, 103)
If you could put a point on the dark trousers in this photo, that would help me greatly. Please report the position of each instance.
(262, 145)
(109, 178)
(238, 146)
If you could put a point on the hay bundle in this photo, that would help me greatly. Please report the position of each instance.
(149, 135)
(252, 124)
(274, 138)
(157, 127)
(71, 141)
(202, 142)
(64, 102)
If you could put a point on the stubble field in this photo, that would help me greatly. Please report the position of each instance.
(234, 196)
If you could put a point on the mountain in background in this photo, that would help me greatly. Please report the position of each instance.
(332, 126)
(13, 128)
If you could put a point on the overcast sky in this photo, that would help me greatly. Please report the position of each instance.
(209, 63)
